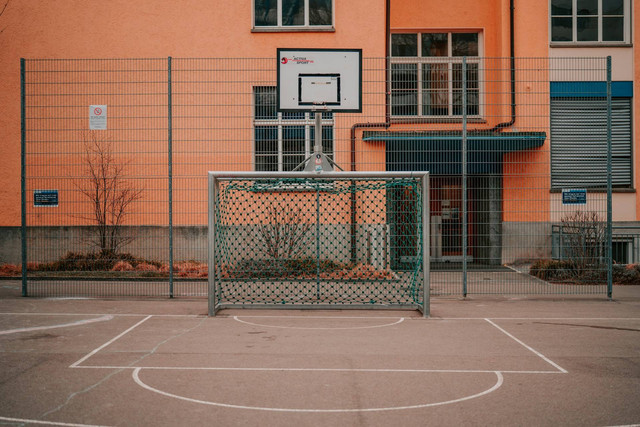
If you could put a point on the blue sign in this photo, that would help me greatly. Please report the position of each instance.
(45, 198)
(576, 196)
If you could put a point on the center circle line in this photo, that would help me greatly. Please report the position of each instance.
(136, 377)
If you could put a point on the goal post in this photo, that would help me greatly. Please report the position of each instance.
(318, 240)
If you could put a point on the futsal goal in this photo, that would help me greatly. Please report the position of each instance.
(318, 240)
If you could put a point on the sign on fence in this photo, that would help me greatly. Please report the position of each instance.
(47, 198)
(98, 117)
(574, 196)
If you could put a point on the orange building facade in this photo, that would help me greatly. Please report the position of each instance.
(412, 117)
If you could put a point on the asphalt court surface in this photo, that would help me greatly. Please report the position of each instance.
(534, 362)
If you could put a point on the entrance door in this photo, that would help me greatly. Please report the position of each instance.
(446, 221)
(403, 220)
(450, 198)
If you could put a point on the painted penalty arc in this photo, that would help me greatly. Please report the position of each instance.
(397, 322)
(499, 381)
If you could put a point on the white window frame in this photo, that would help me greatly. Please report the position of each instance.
(280, 27)
(280, 122)
(574, 26)
(450, 60)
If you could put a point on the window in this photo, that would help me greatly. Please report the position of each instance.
(590, 21)
(284, 140)
(291, 14)
(579, 142)
(426, 74)
(622, 249)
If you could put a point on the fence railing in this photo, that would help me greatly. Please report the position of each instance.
(570, 243)
(116, 154)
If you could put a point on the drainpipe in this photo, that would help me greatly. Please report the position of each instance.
(500, 126)
(385, 124)
(387, 94)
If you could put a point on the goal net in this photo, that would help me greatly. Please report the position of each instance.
(318, 240)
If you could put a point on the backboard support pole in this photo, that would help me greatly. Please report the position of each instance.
(317, 148)
(318, 161)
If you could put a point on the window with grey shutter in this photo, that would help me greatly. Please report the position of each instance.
(579, 142)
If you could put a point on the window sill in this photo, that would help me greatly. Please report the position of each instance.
(599, 190)
(414, 119)
(589, 44)
(293, 30)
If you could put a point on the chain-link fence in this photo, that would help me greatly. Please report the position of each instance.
(522, 153)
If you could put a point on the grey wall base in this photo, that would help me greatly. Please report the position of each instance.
(46, 244)
(508, 242)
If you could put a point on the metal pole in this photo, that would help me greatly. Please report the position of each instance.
(426, 255)
(464, 177)
(317, 148)
(609, 187)
(170, 173)
(23, 185)
(318, 244)
(211, 244)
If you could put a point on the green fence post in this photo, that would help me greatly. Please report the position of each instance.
(609, 187)
(170, 174)
(23, 164)
(464, 177)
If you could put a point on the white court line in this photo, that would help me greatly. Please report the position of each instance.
(136, 378)
(537, 353)
(75, 364)
(541, 318)
(6, 313)
(323, 317)
(63, 325)
(333, 329)
(223, 316)
(372, 370)
(49, 423)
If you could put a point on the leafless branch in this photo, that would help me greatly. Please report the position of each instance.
(6, 3)
(583, 234)
(106, 188)
(284, 232)
(4, 7)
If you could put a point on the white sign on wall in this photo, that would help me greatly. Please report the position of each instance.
(98, 117)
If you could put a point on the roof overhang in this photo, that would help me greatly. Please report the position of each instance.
(440, 153)
(502, 142)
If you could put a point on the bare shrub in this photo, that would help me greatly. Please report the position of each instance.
(583, 237)
(284, 232)
(108, 190)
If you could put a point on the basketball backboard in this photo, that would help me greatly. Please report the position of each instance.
(317, 79)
